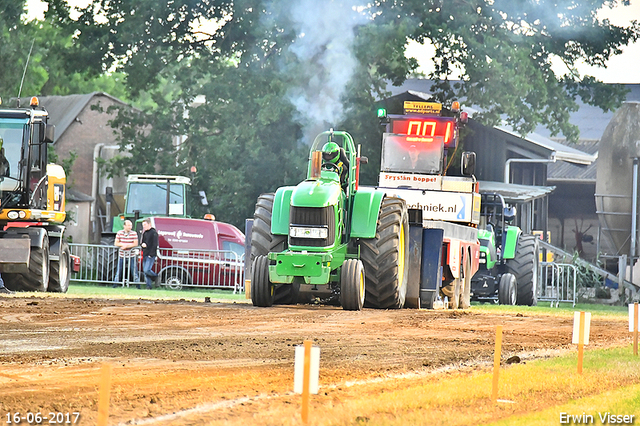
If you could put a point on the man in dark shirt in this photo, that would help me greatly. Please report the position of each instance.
(149, 251)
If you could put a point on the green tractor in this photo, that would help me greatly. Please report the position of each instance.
(508, 270)
(329, 240)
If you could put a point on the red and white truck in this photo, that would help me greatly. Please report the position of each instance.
(444, 210)
(191, 252)
(199, 252)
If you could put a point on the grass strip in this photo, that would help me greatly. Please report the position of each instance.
(536, 391)
(596, 410)
(565, 309)
(107, 292)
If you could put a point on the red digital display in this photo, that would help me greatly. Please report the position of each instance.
(425, 129)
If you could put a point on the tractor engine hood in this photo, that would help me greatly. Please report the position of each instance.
(316, 193)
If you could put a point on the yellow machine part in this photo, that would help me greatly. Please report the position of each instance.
(55, 212)
(550, 256)
(56, 192)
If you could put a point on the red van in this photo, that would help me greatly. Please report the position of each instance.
(198, 252)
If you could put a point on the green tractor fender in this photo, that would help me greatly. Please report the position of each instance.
(280, 212)
(364, 214)
(488, 247)
(510, 242)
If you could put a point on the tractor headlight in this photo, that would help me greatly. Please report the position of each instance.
(307, 232)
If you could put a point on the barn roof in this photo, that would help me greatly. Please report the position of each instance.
(63, 110)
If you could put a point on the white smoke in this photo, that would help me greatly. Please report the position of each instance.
(325, 37)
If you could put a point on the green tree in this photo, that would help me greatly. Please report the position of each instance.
(38, 58)
(505, 48)
(272, 72)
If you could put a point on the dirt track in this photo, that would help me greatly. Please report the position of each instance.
(215, 362)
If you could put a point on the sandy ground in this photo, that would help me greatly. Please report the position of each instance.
(191, 363)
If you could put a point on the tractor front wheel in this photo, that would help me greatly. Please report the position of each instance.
(37, 277)
(60, 272)
(352, 285)
(264, 242)
(507, 290)
(262, 291)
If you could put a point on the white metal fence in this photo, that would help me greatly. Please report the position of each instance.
(221, 269)
(557, 283)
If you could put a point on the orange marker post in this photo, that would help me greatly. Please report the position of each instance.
(306, 381)
(105, 395)
(580, 342)
(496, 364)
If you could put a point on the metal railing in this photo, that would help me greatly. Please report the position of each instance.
(557, 283)
(221, 269)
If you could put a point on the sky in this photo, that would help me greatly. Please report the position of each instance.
(624, 68)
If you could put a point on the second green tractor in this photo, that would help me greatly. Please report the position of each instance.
(329, 240)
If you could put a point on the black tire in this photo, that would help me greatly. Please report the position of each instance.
(107, 260)
(37, 278)
(428, 301)
(507, 290)
(175, 278)
(386, 256)
(60, 273)
(465, 281)
(455, 288)
(352, 285)
(264, 242)
(525, 268)
(262, 291)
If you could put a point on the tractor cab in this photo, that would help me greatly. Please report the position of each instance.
(491, 228)
(495, 218)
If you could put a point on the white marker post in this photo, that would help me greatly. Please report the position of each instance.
(581, 327)
(307, 371)
(634, 325)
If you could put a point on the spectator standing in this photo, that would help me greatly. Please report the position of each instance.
(127, 241)
(149, 251)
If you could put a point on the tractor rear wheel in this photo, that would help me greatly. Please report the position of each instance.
(525, 268)
(352, 285)
(385, 257)
(507, 290)
(264, 242)
(60, 272)
(262, 292)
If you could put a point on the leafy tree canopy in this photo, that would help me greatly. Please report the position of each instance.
(275, 72)
(36, 58)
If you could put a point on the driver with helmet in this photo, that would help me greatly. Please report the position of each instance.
(332, 153)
